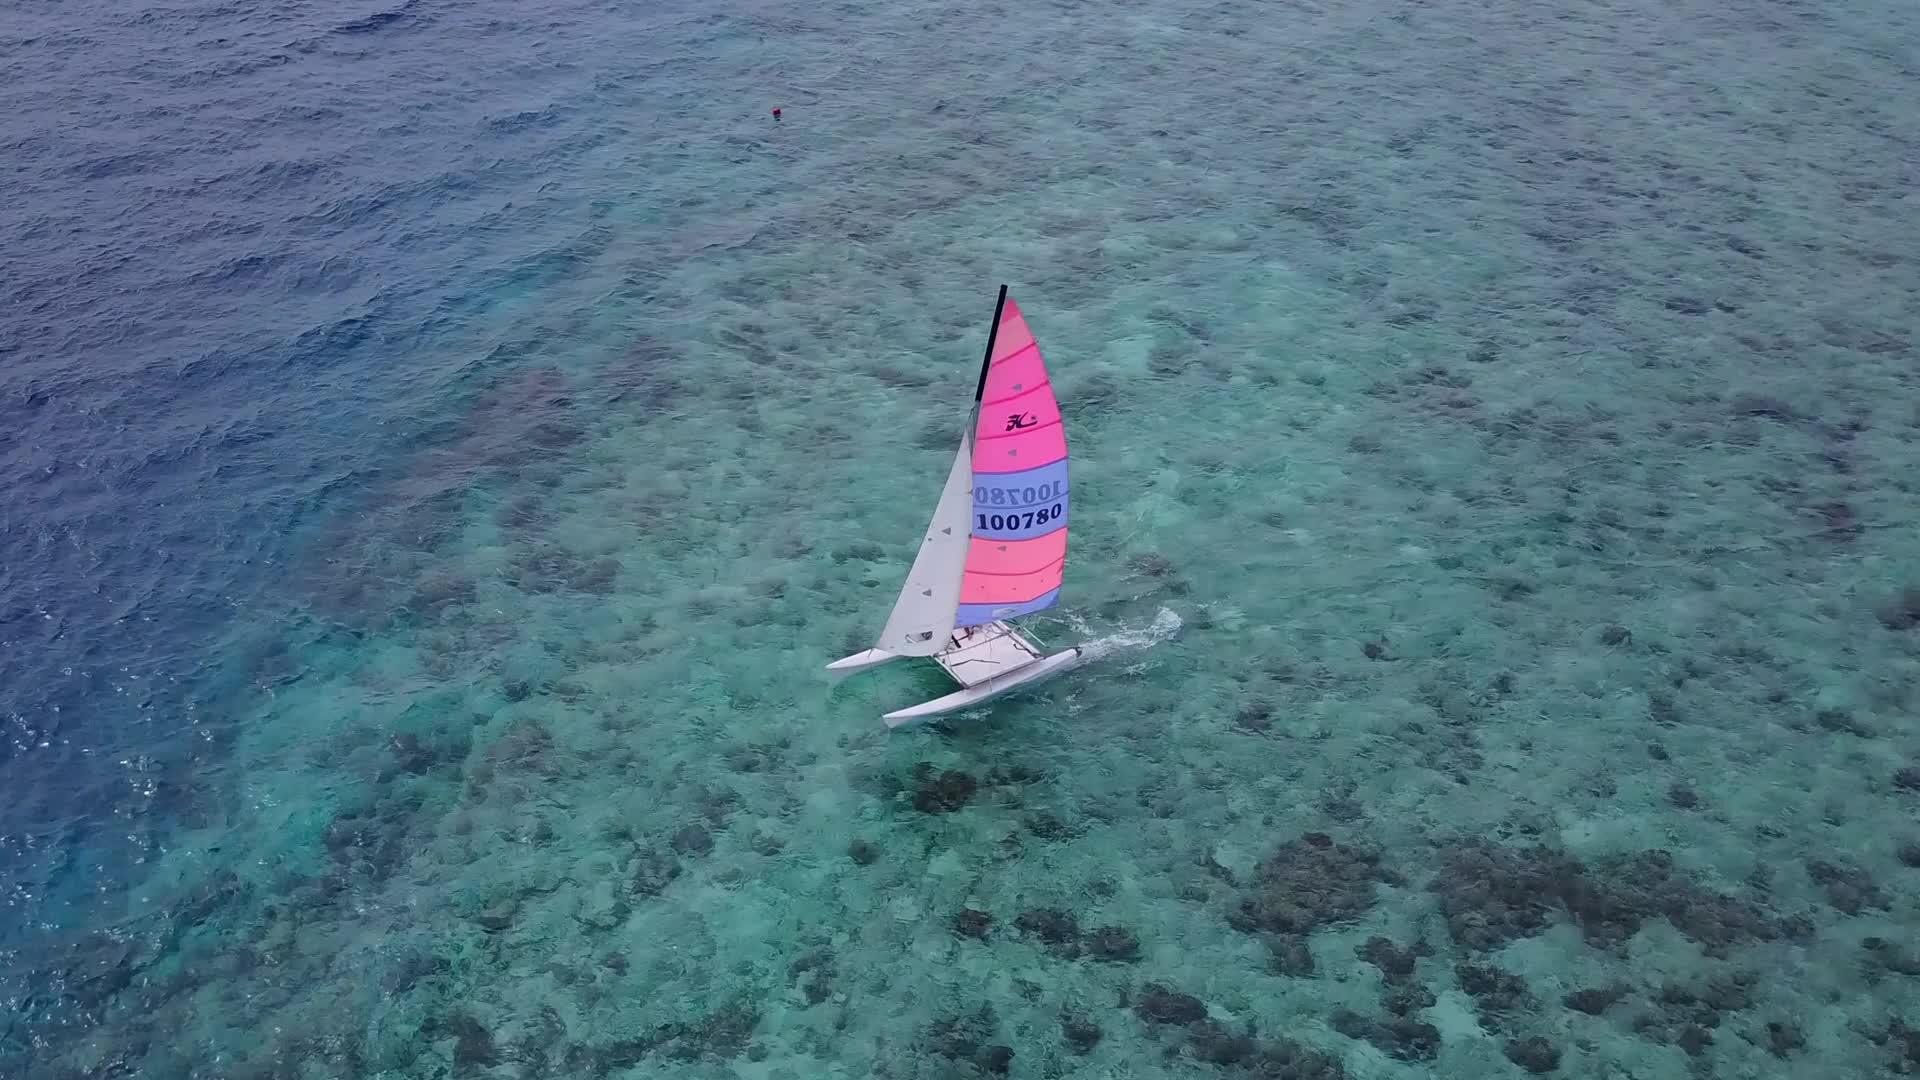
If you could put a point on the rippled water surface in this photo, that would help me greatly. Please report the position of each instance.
(441, 444)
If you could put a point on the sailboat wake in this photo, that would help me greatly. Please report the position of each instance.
(1164, 627)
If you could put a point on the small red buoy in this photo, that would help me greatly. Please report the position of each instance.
(776, 113)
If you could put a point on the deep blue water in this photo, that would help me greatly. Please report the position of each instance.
(247, 250)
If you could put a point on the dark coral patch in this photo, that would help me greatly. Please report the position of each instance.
(942, 793)
(1394, 962)
(472, 1043)
(1079, 1032)
(1784, 1038)
(546, 569)
(1401, 996)
(1289, 1060)
(519, 513)
(1849, 888)
(375, 845)
(1904, 1043)
(1287, 954)
(1400, 1036)
(1888, 956)
(410, 754)
(1216, 1044)
(1536, 1055)
(1309, 882)
(1686, 1016)
(722, 1034)
(439, 591)
(1499, 995)
(972, 923)
(1842, 722)
(1611, 902)
(1596, 1000)
(653, 870)
(1048, 827)
(1254, 718)
(1406, 998)
(643, 376)
(1058, 930)
(1771, 408)
(1839, 522)
(813, 974)
(965, 1039)
(1491, 895)
(1161, 1005)
(1901, 612)
(526, 745)
(1112, 943)
(692, 839)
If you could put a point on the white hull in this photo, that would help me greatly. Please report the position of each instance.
(872, 658)
(987, 661)
(982, 692)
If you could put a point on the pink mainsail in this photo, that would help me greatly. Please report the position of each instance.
(1018, 551)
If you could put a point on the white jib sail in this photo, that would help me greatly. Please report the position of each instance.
(923, 616)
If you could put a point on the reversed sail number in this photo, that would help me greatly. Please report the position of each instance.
(990, 495)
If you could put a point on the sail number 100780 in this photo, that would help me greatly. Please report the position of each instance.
(1018, 522)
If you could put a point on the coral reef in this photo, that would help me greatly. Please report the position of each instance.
(1527, 473)
(965, 1040)
(1400, 1033)
(1492, 895)
(943, 792)
(1308, 882)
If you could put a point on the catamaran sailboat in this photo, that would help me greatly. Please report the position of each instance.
(996, 548)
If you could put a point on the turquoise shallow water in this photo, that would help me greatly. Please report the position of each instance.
(1493, 434)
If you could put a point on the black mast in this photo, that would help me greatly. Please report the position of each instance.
(987, 360)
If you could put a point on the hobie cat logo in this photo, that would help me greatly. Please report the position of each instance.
(1021, 420)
